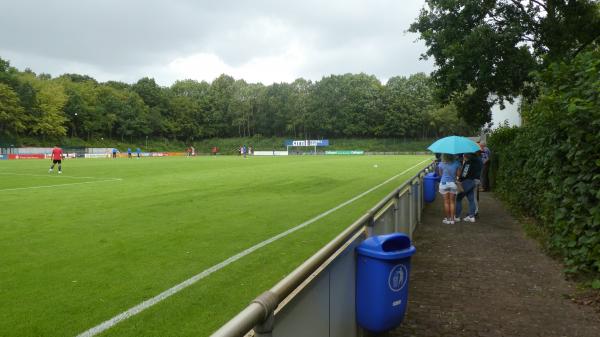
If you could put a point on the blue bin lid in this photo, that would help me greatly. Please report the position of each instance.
(387, 247)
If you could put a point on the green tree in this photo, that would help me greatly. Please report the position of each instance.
(48, 118)
(485, 50)
(110, 105)
(297, 124)
(190, 101)
(276, 110)
(131, 114)
(350, 105)
(80, 108)
(220, 96)
(12, 117)
(245, 106)
(190, 88)
(157, 100)
(8, 74)
(325, 102)
(360, 112)
(407, 104)
(188, 115)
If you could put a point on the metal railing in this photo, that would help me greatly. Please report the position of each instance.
(296, 304)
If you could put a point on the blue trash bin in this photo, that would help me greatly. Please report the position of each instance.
(429, 181)
(383, 268)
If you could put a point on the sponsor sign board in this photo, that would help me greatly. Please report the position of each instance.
(343, 152)
(26, 156)
(312, 143)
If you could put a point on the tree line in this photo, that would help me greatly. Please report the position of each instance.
(349, 105)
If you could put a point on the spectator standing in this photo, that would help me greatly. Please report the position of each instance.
(114, 152)
(448, 170)
(129, 152)
(485, 158)
(438, 160)
(468, 175)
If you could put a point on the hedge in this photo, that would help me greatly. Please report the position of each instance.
(550, 167)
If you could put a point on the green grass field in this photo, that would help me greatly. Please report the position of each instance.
(109, 234)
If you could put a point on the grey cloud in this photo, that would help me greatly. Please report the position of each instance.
(106, 32)
(123, 37)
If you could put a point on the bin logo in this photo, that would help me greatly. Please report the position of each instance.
(398, 277)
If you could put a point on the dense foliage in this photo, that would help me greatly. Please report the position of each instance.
(550, 167)
(350, 105)
(485, 50)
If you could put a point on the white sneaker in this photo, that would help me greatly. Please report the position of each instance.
(469, 218)
(59, 172)
(446, 221)
(457, 219)
(50, 171)
(451, 222)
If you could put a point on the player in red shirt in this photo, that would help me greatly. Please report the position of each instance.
(56, 157)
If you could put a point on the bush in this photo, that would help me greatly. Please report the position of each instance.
(550, 167)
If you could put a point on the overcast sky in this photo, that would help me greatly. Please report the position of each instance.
(260, 40)
(257, 40)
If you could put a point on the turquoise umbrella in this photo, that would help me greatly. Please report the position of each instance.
(454, 145)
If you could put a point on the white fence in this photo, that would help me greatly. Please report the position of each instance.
(270, 153)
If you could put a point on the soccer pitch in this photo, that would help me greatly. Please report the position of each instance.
(77, 249)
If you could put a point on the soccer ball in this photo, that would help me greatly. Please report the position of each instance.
(375, 166)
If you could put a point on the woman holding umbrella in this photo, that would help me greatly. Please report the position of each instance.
(448, 169)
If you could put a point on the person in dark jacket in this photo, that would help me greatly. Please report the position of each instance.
(485, 159)
(469, 174)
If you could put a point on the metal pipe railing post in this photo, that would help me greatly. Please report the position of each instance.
(419, 199)
(404, 212)
(397, 212)
(370, 226)
(411, 210)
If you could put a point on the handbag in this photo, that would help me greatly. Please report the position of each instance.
(459, 187)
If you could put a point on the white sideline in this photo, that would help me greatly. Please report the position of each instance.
(56, 176)
(59, 185)
(171, 291)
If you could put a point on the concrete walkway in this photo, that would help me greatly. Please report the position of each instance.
(488, 279)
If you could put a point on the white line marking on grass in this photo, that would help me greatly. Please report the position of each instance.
(59, 185)
(172, 291)
(55, 176)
